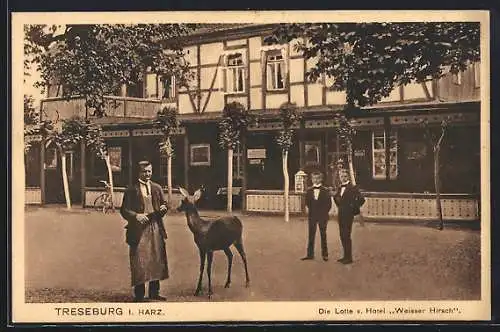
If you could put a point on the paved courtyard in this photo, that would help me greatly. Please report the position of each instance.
(81, 256)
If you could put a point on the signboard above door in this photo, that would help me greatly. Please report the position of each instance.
(256, 153)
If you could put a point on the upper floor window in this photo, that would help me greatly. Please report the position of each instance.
(275, 68)
(160, 87)
(168, 89)
(380, 140)
(235, 73)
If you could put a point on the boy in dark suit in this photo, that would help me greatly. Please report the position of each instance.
(318, 204)
(349, 201)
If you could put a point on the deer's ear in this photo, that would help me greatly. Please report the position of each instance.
(184, 192)
(197, 195)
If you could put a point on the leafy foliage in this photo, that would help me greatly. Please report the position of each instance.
(167, 121)
(31, 115)
(235, 121)
(31, 121)
(289, 118)
(95, 140)
(367, 60)
(67, 135)
(93, 61)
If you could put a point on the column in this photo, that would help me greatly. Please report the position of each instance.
(244, 167)
(130, 159)
(42, 170)
(186, 160)
(83, 181)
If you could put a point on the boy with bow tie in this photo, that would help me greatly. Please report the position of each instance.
(318, 205)
(348, 200)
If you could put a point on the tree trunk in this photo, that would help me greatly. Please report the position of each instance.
(229, 180)
(110, 179)
(287, 186)
(436, 185)
(350, 162)
(65, 179)
(169, 153)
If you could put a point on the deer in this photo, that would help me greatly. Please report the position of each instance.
(213, 235)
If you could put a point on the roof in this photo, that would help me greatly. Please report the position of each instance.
(214, 27)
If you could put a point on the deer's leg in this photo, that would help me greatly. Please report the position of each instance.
(202, 267)
(229, 255)
(210, 256)
(239, 247)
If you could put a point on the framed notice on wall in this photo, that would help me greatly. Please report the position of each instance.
(200, 154)
(256, 153)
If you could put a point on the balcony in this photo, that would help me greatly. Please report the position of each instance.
(116, 107)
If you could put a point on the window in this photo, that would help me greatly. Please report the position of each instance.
(237, 163)
(477, 75)
(379, 143)
(275, 67)
(235, 73)
(312, 153)
(457, 78)
(200, 155)
(115, 158)
(158, 87)
(51, 159)
(168, 87)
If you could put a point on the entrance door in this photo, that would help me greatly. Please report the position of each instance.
(54, 189)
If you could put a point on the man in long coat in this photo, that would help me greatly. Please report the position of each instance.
(144, 207)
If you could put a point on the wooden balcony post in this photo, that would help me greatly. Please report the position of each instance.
(82, 172)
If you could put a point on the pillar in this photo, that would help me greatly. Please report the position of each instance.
(83, 174)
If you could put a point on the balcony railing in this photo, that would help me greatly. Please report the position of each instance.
(126, 107)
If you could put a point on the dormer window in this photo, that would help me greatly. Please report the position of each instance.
(235, 73)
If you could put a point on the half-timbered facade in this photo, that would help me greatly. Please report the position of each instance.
(392, 159)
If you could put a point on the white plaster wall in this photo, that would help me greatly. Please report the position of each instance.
(276, 100)
(255, 74)
(207, 75)
(215, 103)
(416, 91)
(210, 53)
(236, 42)
(256, 98)
(185, 106)
(296, 70)
(255, 45)
(297, 95)
(191, 54)
(314, 94)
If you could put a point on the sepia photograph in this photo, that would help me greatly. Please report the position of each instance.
(180, 167)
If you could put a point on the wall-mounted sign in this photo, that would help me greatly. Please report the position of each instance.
(359, 153)
(255, 161)
(256, 153)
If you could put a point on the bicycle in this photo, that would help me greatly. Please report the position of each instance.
(104, 202)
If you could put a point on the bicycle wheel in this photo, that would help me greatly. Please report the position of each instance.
(100, 203)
